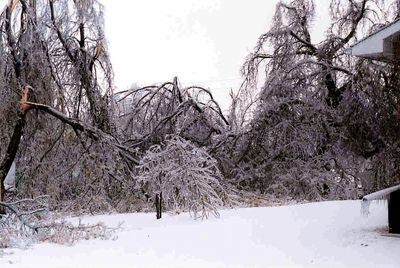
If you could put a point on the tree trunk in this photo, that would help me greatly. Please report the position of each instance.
(158, 205)
(6, 163)
(11, 152)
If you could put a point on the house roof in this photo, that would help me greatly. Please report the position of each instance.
(383, 44)
(382, 194)
(377, 31)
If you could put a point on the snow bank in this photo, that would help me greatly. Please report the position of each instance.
(326, 234)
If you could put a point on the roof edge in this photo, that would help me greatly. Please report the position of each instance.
(382, 194)
(374, 33)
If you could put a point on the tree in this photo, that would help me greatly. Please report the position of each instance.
(297, 139)
(187, 176)
(59, 109)
(150, 113)
(58, 48)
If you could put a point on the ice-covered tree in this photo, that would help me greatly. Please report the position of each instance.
(58, 48)
(186, 175)
(297, 140)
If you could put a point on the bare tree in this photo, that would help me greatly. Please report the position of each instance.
(151, 112)
(65, 118)
(295, 141)
(187, 177)
(58, 48)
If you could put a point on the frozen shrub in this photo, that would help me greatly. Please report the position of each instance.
(29, 221)
(187, 176)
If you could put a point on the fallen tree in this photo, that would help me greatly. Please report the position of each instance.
(188, 118)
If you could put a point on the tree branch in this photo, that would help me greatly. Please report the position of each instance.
(94, 133)
(59, 34)
(304, 42)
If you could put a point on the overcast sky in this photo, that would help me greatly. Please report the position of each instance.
(203, 42)
(198, 41)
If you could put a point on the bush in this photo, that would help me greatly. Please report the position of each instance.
(187, 176)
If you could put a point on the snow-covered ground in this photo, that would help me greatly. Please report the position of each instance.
(326, 234)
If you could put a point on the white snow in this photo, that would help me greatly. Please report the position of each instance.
(326, 234)
(9, 181)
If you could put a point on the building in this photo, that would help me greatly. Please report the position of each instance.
(383, 45)
(392, 195)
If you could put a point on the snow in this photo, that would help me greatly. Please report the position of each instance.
(325, 234)
(9, 181)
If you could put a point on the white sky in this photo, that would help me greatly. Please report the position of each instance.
(203, 42)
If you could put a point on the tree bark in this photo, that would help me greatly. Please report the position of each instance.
(158, 205)
(13, 145)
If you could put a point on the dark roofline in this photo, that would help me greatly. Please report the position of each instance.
(377, 31)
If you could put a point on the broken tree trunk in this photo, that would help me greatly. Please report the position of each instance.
(13, 145)
(92, 132)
